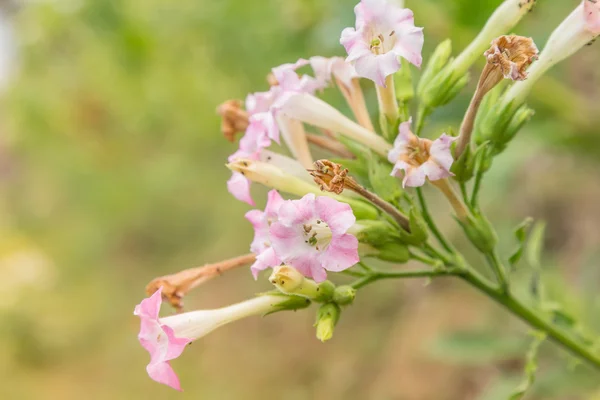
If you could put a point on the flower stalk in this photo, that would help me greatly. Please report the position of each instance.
(176, 286)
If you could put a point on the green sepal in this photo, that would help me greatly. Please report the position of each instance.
(480, 232)
(395, 252)
(403, 83)
(293, 303)
(418, 229)
(375, 233)
(344, 295)
(325, 292)
(439, 58)
(521, 236)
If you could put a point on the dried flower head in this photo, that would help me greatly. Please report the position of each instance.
(513, 55)
(330, 177)
(233, 118)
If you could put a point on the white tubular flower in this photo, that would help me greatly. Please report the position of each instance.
(580, 28)
(507, 15)
(307, 108)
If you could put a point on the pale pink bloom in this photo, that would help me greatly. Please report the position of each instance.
(591, 8)
(250, 147)
(261, 222)
(383, 33)
(420, 158)
(166, 338)
(310, 235)
(326, 68)
(160, 341)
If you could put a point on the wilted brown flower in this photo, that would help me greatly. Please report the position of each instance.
(509, 57)
(234, 119)
(330, 177)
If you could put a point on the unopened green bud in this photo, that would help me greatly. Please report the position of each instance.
(327, 317)
(463, 167)
(325, 292)
(394, 252)
(480, 232)
(500, 123)
(418, 229)
(403, 83)
(289, 280)
(437, 61)
(442, 88)
(344, 295)
(374, 233)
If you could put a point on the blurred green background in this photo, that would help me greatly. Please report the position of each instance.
(112, 173)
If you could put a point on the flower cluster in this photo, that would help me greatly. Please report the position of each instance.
(346, 209)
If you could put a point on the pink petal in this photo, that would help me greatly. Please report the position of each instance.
(440, 152)
(294, 212)
(405, 136)
(162, 372)
(337, 215)
(266, 259)
(341, 254)
(150, 307)
(434, 171)
(239, 187)
(591, 10)
(377, 67)
(274, 202)
(413, 176)
(317, 273)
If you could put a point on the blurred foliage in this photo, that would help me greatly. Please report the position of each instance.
(112, 174)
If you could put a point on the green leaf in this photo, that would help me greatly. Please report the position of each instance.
(536, 245)
(530, 366)
(521, 235)
(386, 186)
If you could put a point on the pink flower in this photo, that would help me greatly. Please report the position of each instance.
(310, 235)
(337, 67)
(420, 158)
(166, 338)
(384, 31)
(261, 222)
(591, 8)
(160, 341)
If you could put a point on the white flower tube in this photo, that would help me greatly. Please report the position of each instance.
(307, 108)
(506, 16)
(577, 30)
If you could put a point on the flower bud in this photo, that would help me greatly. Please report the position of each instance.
(327, 317)
(344, 295)
(418, 229)
(374, 233)
(394, 252)
(480, 232)
(437, 61)
(289, 280)
(274, 177)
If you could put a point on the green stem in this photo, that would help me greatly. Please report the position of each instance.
(499, 270)
(429, 220)
(378, 275)
(476, 187)
(529, 316)
(505, 299)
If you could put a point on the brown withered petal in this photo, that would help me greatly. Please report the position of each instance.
(330, 177)
(513, 54)
(234, 119)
